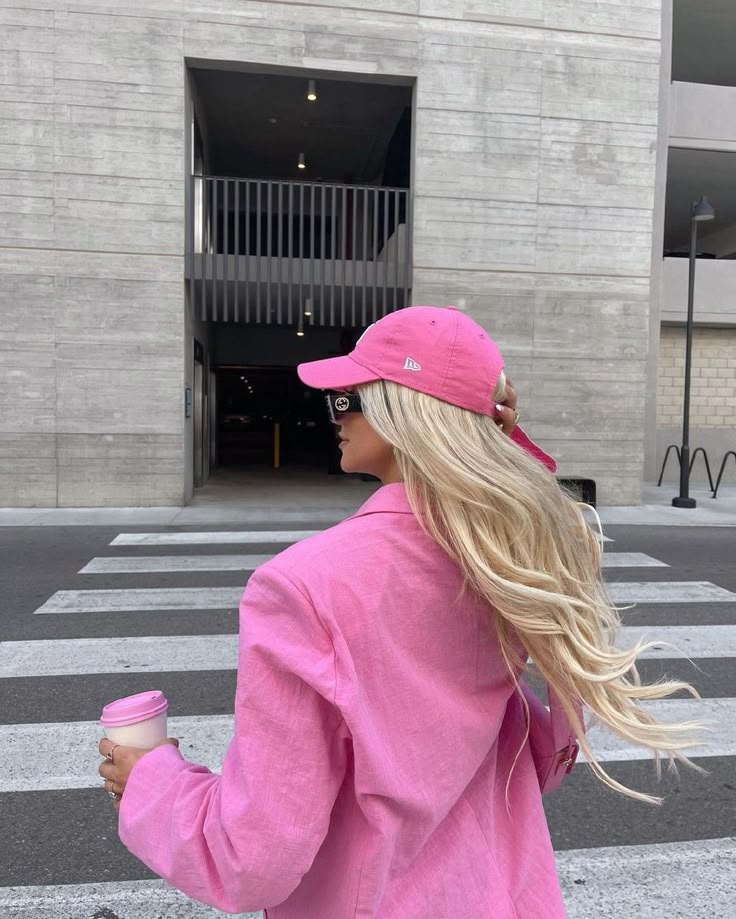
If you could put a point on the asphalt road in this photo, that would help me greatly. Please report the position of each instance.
(66, 836)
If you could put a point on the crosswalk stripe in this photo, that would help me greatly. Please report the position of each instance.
(128, 899)
(176, 653)
(205, 739)
(689, 878)
(155, 563)
(201, 598)
(225, 536)
(211, 538)
(630, 560)
(602, 882)
(144, 654)
(173, 563)
(669, 592)
(690, 641)
(149, 599)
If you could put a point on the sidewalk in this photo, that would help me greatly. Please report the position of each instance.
(268, 500)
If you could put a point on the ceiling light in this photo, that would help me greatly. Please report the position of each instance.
(308, 308)
(312, 91)
(300, 163)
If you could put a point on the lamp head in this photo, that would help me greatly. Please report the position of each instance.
(702, 210)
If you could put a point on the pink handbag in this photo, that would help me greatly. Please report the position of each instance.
(551, 738)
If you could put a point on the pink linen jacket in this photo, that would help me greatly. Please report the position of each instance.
(375, 728)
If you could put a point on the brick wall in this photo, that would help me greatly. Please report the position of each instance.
(713, 384)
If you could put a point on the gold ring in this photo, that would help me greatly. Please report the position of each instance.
(110, 752)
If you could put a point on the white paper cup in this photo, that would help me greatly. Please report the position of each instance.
(136, 721)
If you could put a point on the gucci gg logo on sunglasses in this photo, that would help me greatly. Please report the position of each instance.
(341, 404)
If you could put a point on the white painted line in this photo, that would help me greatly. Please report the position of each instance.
(175, 653)
(693, 642)
(152, 563)
(717, 714)
(192, 539)
(204, 739)
(148, 654)
(148, 599)
(669, 592)
(176, 563)
(127, 899)
(690, 878)
(651, 881)
(631, 560)
(201, 598)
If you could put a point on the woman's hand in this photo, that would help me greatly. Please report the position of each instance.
(506, 415)
(118, 764)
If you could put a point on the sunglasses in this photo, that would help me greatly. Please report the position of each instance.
(341, 404)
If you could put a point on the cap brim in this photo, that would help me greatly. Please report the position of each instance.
(335, 373)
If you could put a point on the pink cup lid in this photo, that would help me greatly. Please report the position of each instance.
(132, 709)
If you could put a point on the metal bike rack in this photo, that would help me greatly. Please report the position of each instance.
(690, 467)
(666, 457)
(720, 472)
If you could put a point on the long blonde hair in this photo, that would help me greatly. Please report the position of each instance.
(524, 546)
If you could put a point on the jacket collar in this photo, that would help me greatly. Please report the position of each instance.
(391, 499)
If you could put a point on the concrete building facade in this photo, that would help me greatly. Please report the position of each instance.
(540, 138)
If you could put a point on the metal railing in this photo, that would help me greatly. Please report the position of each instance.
(268, 252)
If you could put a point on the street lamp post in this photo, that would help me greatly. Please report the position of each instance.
(699, 211)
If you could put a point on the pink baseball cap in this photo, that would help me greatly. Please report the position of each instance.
(436, 350)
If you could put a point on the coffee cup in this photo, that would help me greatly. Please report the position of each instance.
(136, 721)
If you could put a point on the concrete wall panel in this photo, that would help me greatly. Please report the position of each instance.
(27, 469)
(535, 121)
(120, 470)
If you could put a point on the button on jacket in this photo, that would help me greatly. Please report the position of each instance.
(375, 729)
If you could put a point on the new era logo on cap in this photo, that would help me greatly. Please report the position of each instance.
(411, 364)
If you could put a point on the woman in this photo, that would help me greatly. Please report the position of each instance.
(380, 764)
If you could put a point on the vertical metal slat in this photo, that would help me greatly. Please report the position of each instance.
(291, 252)
(344, 248)
(269, 249)
(280, 250)
(395, 285)
(205, 255)
(365, 257)
(333, 239)
(353, 259)
(385, 198)
(215, 236)
(374, 254)
(300, 303)
(225, 246)
(236, 227)
(247, 250)
(258, 251)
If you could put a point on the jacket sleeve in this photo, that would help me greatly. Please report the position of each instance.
(242, 841)
(520, 438)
